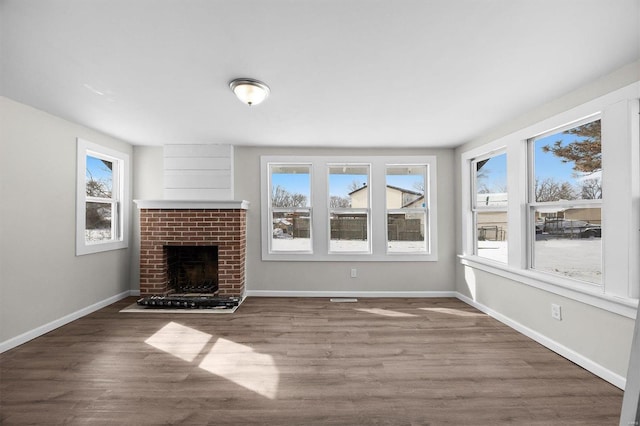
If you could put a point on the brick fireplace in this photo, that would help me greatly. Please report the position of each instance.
(166, 224)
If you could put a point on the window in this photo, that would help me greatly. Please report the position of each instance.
(489, 206)
(406, 208)
(572, 208)
(349, 208)
(565, 198)
(290, 208)
(102, 206)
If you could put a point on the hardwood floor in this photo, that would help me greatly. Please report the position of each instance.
(285, 361)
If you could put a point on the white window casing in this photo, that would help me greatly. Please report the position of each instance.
(118, 200)
(320, 222)
(620, 206)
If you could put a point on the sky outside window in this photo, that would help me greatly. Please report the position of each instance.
(569, 162)
(101, 172)
(294, 180)
(491, 175)
(411, 178)
(341, 184)
(343, 180)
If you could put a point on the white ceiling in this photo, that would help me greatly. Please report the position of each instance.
(360, 73)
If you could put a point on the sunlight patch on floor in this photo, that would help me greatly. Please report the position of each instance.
(179, 340)
(385, 312)
(456, 312)
(235, 362)
(243, 366)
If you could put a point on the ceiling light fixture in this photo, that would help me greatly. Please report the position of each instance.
(249, 91)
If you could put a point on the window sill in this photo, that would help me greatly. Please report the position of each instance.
(83, 249)
(349, 257)
(589, 294)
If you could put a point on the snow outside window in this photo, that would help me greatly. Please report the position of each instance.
(489, 205)
(101, 203)
(348, 208)
(290, 208)
(565, 202)
(349, 205)
(406, 208)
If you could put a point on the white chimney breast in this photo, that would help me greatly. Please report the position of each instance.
(198, 172)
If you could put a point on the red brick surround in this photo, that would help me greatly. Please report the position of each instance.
(224, 228)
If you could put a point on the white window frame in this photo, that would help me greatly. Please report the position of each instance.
(119, 200)
(366, 210)
(404, 210)
(532, 204)
(475, 208)
(620, 209)
(272, 210)
(377, 194)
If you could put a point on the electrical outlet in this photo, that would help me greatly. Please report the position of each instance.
(556, 312)
(354, 273)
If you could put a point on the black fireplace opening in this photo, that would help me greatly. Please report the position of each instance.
(192, 269)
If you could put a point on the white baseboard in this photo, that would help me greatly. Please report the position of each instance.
(134, 292)
(589, 365)
(43, 329)
(289, 293)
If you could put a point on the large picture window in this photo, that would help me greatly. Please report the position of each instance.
(343, 208)
(489, 206)
(565, 198)
(102, 203)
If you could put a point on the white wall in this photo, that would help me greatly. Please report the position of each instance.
(41, 279)
(147, 175)
(597, 339)
(276, 277)
(280, 277)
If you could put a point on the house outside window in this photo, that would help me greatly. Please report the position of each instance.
(102, 200)
(572, 208)
(354, 208)
(349, 212)
(406, 208)
(489, 206)
(565, 202)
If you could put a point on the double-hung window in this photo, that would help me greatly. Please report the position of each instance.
(102, 206)
(572, 208)
(489, 205)
(349, 208)
(406, 208)
(565, 202)
(290, 210)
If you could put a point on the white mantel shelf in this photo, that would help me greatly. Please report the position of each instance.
(192, 204)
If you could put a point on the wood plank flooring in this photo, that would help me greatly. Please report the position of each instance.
(291, 361)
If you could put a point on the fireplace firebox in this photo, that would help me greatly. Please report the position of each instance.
(192, 269)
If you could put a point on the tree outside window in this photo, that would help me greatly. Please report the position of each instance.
(566, 202)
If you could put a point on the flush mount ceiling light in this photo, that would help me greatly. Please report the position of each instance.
(249, 91)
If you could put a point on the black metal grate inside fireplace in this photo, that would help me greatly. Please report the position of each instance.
(192, 269)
